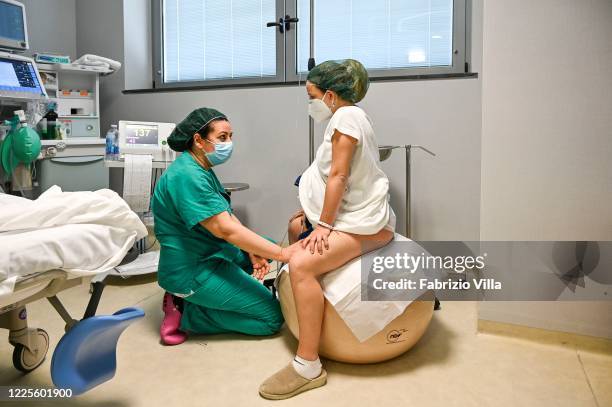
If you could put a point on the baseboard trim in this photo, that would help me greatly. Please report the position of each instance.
(545, 336)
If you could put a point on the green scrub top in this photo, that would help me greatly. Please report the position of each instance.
(185, 195)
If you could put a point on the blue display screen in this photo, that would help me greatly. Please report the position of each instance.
(11, 22)
(19, 76)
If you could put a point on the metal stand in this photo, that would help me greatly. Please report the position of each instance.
(385, 153)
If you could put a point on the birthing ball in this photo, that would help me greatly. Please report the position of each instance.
(338, 342)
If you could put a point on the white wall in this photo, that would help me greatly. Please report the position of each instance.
(137, 50)
(547, 139)
(51, 26)
(99, 30)
(272, 142)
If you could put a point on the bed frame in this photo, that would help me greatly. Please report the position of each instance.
(31, 344)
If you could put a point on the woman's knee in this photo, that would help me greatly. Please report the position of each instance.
(299, 264)
(300, 268)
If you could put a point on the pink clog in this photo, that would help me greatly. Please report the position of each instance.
(169, 329)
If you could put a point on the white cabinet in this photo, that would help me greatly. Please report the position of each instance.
(76, 90)
(75, 163)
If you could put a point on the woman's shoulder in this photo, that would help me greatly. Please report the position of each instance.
(352, 113)
(352, 110)
(184, 163)
(185, 168)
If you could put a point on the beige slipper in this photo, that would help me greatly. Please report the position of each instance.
(287, 383)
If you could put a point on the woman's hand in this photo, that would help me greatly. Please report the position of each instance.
(261, 267)
(317, 240)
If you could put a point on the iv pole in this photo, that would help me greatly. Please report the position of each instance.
(385, 153)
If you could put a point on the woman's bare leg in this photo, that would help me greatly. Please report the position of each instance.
(305, 269)
(297, 226)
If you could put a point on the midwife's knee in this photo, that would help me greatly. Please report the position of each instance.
(273, 318)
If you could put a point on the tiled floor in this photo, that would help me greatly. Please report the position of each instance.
(451, 366)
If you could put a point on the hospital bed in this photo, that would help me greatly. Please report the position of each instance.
(81, 361)
(54, 243)
(31, 344)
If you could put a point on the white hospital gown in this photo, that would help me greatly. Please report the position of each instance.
(365, 208)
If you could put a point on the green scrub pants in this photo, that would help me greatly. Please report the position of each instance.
(228, 299)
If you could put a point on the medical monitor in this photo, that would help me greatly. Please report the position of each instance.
(19, 78)
(145, 138)
(13, 26)
(140, 134)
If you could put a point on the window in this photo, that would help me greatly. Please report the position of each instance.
(217, 39)
(218, 42)
(382, 34)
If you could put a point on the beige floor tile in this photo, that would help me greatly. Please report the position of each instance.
(513, 372)
(598, 368)
(451, 366)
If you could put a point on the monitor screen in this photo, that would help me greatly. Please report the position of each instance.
(141, 134)
(12, 25)
(19, 76)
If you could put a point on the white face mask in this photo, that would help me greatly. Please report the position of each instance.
(318, 110)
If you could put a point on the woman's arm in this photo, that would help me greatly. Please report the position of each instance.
(235, 218)
(343, 148)
(261, 267)
(227, 228)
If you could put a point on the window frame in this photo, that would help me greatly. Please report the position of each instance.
(286, 54)
(460, 30)
(158, 57)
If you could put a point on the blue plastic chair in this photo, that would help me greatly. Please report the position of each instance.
(86, 356)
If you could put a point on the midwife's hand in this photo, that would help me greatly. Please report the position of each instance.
(261, 267)
(317, 240)
(287, 252)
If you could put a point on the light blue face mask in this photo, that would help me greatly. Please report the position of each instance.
(222, 153)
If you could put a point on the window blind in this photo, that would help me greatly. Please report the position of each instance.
(382, 34)
(218, 39)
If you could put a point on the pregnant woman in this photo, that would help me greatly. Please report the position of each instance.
(345, 195)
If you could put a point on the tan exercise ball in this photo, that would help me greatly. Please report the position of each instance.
(338, 342)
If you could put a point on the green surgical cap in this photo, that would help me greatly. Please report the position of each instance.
(348, 78)
(184, 131)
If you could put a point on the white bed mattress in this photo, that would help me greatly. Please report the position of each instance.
(82, 233)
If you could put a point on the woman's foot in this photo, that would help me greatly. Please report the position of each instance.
(169, 330)
(287, 383)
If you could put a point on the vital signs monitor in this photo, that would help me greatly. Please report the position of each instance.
(13, 26)
(19, 78)
(145, 138)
